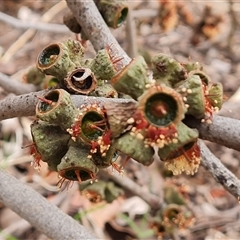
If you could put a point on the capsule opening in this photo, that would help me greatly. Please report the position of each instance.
(49, 55)
(161, 109)
(83, 84)
(76, 174)
(122, 16)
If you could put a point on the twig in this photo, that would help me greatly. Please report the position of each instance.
(131, 33)
(43, 215)
(145, 13)
(222, 130)
(14, 86)
(30, 32)
(25, 105)
(19, 106)
(220, 173)
(45, 27)
(94, 27)
(212, 223)
(234, 23)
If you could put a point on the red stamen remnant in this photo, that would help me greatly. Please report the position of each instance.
(114, 61)
(78, 175)
(94, 146)
(93, 177)
(126, 160)
(153, 133)
(141, 122)
(92, 196)
(95, 126)
(209, 108)
(36, 155)
(154, 136)
(117, 168)
(159, 109)
(114, 57)
(68, 185)
(188, 161)
(75, 129)
(106, 138)
(102, 144)
(49, 102)
(193, 154)
(101, 122)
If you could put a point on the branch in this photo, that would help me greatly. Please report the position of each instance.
(43, 215)
(46, 27)
(94, 27)
(131, 33)
(222, 130)
(25, 105)
(14, 86)
(220, 173)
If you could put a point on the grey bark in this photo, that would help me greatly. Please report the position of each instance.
(223, 130)
(14, 86)
(220, 173)
(94, 27)
(41, 214)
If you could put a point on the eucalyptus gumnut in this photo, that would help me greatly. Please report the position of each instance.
(215, 95)
(191, 66)
(75, 51)
(70, 21)
(91, 123)
(161, 106)
(112, 192)
(104, 89)
(114, 12)
(50, 141)
(203, 76)
(159, 110)
(49, 82)
(101, 190)
(76, 165)
(94, 192)
(192, 91)
(133, 79)
(91, 129)
(103, 65)
(171, 213)
(105, 159)
(34, 76)
(57, 59)
(186, 136)
(134, 146)
(56, 107)
(173, 195)
(177, 216)
(157, 225)
(183, 154)
(80, 81)
(167, 70)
